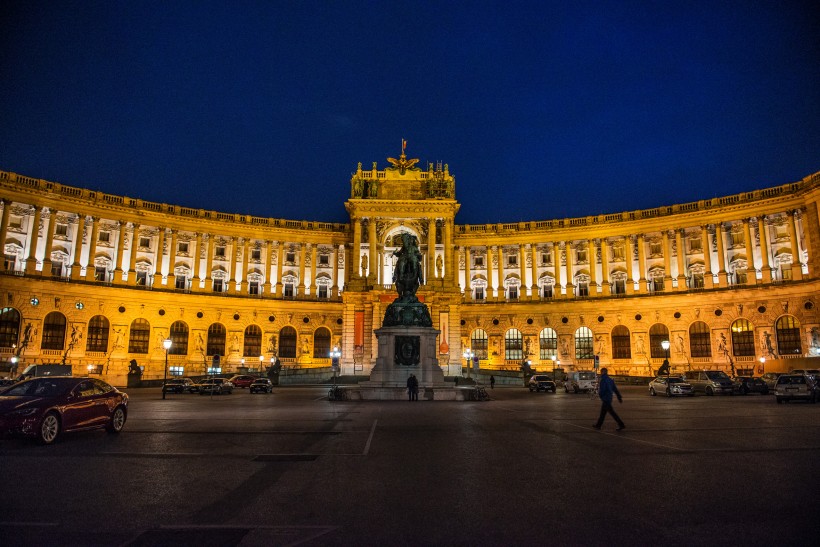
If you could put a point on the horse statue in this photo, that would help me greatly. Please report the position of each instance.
(408, 275)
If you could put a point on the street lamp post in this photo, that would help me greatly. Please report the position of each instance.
(665, 346)
(167, 345)
(762, 365)
(261, 358)
(335, 354)
(468, 356)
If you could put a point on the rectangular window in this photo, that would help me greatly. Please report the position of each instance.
(104, 237)
(10, 263)
(142, 278)
(145, 242)
(546, 258)
(513, 293)
(15, 222)
(619, 286)
(583, 289)
(740, 277)
(219, 285)
(512, 260)
(479, 293)
(290, 257)
(655, 248)
(176, 371)
(618, 251)
(219, 251)
(61, 230)
(57, 269)
(697, 281)
(657, 283)
(737, 238)
(100, 273)
(324, 260)
(581, 255)
(256, 254)
(786, 272)
(478, 262)
(288, 288)
(323, 291)
(546, 291)
(695, 244)
(181, 282)
(253, 287)
(182, 247)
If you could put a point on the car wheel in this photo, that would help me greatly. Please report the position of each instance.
(566, 389)
(668, 392)
(117, 420)
(575, 389)
(710, 391)
(652, 391)
(49, 428)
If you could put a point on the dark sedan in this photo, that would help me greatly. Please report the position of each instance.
(46, 407)
(748, 384)
(261, 385)
(179, 385)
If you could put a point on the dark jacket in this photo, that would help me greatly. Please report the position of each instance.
(412, 384)
(607, 388)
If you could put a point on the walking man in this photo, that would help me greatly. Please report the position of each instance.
(606, 389)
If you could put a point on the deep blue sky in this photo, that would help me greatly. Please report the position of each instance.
(542, 110)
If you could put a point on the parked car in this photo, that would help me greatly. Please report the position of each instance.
(793, 387)
(581, 380)
(541, 382)
(261, 385)
(242, 380)
(709, 381)
(749, 384)
(46, 407)
(771, 379)
(813, 372)
(215, 385)
(671, 386)
(179, 385)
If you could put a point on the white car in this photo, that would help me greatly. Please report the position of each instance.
(671, 386)
(792, 387)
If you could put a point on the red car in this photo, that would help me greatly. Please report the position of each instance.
(241, 380)
(48, 406)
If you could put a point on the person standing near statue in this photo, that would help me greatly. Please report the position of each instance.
(492, 381)
(606, 389)
(413, 388)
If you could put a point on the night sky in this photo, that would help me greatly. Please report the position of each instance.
(541, 109)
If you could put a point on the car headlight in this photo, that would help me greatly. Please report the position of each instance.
(716, 384)
(25, 412)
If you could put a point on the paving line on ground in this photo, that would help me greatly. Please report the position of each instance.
(623, 436)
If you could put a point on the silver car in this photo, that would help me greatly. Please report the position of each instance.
(793, 387)
(672, 386)
(215, 385)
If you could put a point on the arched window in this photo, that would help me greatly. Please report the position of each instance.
(179, 338)
(478, 343)
(97, 339)
(321, 343)
(216, 339)
(657, 334)
(743, 338)
(583, 343)
(9, 327)
(138, 336)
(787, 330)
(287, 342)
(621, 345)
(479, 289)
(253, 341)
(513, 345)
(700, 343)
(548, 342)
(54, 331)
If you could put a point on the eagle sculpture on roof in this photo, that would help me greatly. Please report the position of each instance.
(403, 164)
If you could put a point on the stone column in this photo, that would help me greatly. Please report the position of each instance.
(300, 288)
(534, 271)
(630, 279)
(642, 281)
(501, 258)
(280, 261)
(450, 271)
(751, 276)
(373, 265)
(160, 257)
(708, 275)
(349, 269)
(334, 256)
(592, 254)
(52, 224)
(568, 270)
(90, 267)
(172, 258)
(31, 261)
(797, 255)
(522, 269)
(78, 247)
(197, 256)
(353, 270)
(681, 259)
(556, 268)
(607, 287)
(266, 287)
(723, 280)
(763, 235)
(314, 287)
(209, 263)
(4, 229)
(667, 261)
(119, 254)
(132, 261)
(490, 271)
(431, 251)
(468, 291)
(243, 287)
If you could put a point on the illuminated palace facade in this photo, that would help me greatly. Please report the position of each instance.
(98, 280)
